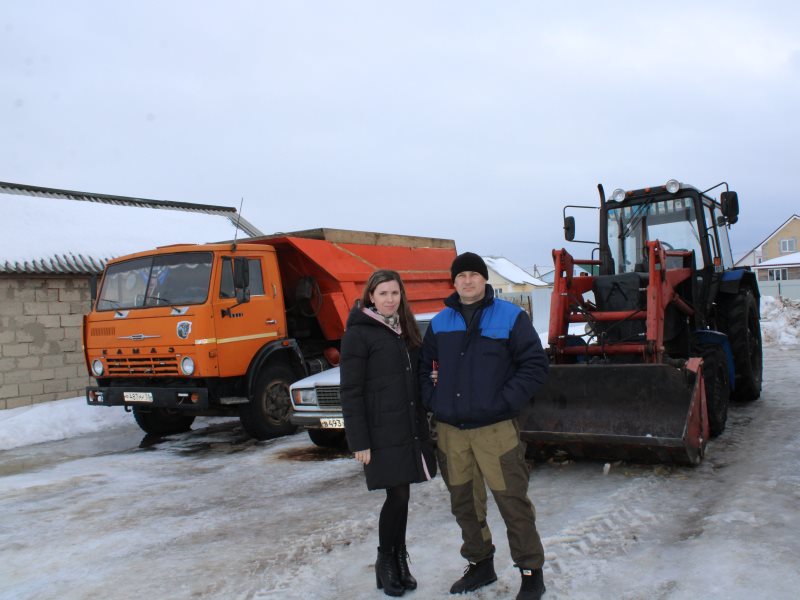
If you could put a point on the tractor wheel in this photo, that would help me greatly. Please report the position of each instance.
(267, 414)
(718, 390)
(160, 421)
(740, 321)
(328, 438)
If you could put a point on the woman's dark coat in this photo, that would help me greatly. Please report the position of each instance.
(380, 403)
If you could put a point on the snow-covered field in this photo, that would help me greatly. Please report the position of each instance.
(88, 509)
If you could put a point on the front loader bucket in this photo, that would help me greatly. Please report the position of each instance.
(636, 412)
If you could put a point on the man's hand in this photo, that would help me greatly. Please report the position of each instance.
(363, 456)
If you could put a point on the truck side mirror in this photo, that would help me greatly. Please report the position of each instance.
(241, 279)
(730, 206)
(569, 228)
(93, 288)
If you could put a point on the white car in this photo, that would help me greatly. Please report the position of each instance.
(316, 405)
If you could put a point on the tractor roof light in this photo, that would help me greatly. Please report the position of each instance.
(673, 185)
(618, 195)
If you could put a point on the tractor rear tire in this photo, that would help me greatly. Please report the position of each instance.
(160, 421)
(267, 414)
(716, 378)
(740, 320)
(328, 438)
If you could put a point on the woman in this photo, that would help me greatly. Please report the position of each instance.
(385, 425)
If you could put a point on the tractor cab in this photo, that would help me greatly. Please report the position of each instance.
(681, 217)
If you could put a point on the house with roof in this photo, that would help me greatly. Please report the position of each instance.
(775, 259)
(506, 277)
(781, 242)
(515, 284)
(52, 243)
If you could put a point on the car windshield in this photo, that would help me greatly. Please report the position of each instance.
(162, 280)
(673, 222)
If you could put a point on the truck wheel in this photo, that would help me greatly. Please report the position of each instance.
(160, 421)
(267, 414)
(328, 438)
(740, 321)
(718, 389)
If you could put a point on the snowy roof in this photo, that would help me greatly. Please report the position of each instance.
(766, 239)
(508, 270)
(786, 259)
(47, 230)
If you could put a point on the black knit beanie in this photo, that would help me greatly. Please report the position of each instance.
(468, 261)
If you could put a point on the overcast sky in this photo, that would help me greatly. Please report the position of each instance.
(475, 121)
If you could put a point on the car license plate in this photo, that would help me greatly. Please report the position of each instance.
(138, 396)
(332, 423)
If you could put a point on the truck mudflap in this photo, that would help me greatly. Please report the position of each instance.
(189, 399)
(637, 412)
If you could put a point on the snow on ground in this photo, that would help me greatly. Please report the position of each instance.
(211, 514)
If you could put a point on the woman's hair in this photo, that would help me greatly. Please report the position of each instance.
(407, 321)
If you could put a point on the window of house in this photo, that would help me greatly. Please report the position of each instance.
(778, 274)
(789, 245)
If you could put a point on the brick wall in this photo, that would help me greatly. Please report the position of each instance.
(41, 358)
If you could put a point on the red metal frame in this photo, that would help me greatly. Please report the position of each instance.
(568, 305)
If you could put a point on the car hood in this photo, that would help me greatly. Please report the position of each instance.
(325, 378)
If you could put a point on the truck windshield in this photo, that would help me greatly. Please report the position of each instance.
(162, 280)
(673, 222)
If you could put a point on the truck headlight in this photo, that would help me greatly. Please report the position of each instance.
(187, 365)
(304, 397)
(97, 367)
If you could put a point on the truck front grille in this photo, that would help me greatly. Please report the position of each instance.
(328, 396)
(142, 365)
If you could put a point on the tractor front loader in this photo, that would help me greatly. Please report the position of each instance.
(671, 332)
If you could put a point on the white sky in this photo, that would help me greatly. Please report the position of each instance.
(475, 121)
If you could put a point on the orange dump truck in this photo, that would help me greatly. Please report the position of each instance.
(223, 329)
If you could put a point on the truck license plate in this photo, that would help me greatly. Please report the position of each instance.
(138, 396)
(332, 423)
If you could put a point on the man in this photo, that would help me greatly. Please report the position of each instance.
(481, 363)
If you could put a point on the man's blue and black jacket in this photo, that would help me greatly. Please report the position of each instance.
(487, 372)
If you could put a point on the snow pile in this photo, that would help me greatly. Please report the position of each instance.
(56, 421)
(780, 321)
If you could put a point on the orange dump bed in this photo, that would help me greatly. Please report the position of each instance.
(340, 262)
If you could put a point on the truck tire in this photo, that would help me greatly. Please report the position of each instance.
(328, 438)
(718, 389)
(739, 320)
(160, 421)
(267, 414)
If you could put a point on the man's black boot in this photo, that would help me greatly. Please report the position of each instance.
(386, 575)
(476, 575)
(532, 586)
(406, 578)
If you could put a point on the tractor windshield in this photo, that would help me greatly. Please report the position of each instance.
(163, 280)
(673, 222)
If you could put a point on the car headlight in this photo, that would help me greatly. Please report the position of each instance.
(304, 397)
(187, 365)
(97, 367)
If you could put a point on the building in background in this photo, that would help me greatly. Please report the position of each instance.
(781, 242)
(515, 284)
(52, 242)
(776, 261)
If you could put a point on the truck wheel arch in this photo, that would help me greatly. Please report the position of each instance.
(284, 351)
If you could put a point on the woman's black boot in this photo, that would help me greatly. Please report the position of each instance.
(386, 575)
(406, 578)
